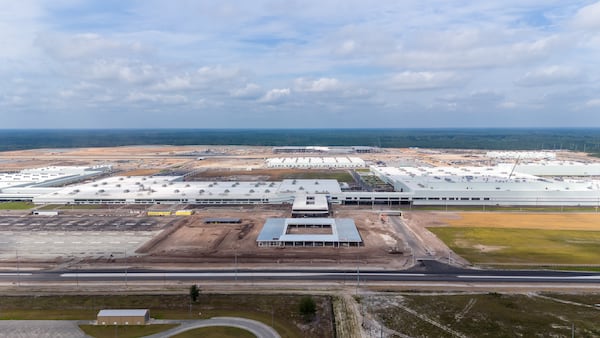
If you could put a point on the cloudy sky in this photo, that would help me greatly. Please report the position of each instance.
(299, 63)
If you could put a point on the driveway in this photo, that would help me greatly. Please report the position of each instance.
(259, 329)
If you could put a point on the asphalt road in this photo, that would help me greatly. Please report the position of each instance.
(427, 271)
(259, 329)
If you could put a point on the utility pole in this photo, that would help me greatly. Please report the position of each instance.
(236, 266)
(357, 274)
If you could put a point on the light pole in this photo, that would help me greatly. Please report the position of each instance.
(357, 274)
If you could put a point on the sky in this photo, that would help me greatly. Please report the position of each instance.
(299, 64)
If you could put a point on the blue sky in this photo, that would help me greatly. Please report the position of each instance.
(299, 64)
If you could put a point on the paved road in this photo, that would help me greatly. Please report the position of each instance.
(40, 329)
(259, 329)
(412, 240)
(426, 271)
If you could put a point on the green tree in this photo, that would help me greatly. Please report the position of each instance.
(308, 307)
(194, 293)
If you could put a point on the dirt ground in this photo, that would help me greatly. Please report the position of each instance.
(203, 243)
(231, 157)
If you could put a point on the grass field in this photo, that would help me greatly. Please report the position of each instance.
(124, 331)
(280, 174)
(15, 205)
(279, 310)
(216, 332)
(485, 315)
(557, 240)
(509, 245)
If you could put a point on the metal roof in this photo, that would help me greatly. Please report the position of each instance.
(342, 230)
(310, 202)
(122, 312)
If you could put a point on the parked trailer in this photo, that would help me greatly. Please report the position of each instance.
(184, 212)
(159, 213)
(44, 213)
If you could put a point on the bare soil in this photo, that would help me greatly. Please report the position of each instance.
(202, 243)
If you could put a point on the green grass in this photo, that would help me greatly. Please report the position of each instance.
(216, 332)
(81, 206)
(554, 247)
(281, 310)
(341, 176)
(588, 298)
(124, 331)
(489, 315)
(50, 207)
(15, 205)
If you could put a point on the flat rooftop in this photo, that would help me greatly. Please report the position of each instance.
(342, 230)
(479, 178)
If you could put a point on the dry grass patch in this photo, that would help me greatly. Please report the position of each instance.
(139, 172)
(551, 221)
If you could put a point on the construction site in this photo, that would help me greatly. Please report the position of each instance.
(147, 207)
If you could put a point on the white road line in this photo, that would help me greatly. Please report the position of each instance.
(132, 242)
(15, 274)
(59, 242)
(530, 277)
(75, 242)
(212, 274)
(39, 242)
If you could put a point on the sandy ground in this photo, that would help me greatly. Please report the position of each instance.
(547, 221)
(209, 244)
(233, 157)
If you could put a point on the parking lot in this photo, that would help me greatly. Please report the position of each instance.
(39, 237)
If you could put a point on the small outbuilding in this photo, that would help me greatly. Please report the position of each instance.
(123, 317)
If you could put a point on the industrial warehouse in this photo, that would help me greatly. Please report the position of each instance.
(555, 183)
(309, 232)
(316, 162)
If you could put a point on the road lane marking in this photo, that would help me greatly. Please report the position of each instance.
(530, 277)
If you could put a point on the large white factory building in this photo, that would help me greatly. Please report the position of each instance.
(550, 183)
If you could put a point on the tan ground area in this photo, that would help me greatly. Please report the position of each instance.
(203, 243)
(548, 221)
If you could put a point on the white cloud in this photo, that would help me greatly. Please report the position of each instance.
(82, 45)
(250, 91)
(122, 70)
(207, 74)
(408, 57)
(550, 75)
(423, 80)
(593, 103)
(177, 82)
(19, 23)
(323, 84)
(156, 98)
(276, 95)
(493, 53)
(588, 17)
